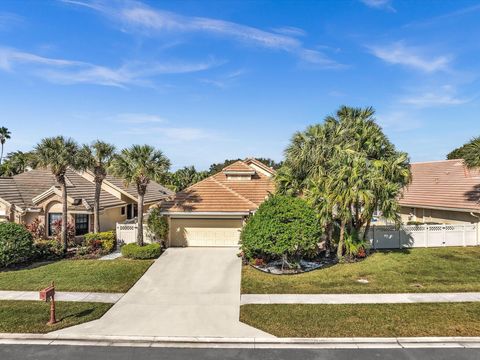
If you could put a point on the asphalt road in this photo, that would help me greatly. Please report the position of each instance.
(45, 352)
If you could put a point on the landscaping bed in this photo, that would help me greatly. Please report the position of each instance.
(415, 270)
(77, 275)
(32, 316)
(366, 320)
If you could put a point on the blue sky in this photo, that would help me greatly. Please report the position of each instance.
(209, 80)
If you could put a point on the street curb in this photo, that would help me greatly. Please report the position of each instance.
(250, 343)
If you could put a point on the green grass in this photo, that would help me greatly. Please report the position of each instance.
(32, 316)
(416, 270)
(372, 320)
(77, 275)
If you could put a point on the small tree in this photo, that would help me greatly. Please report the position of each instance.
(16, 244)
(158, 224)
(283, 227)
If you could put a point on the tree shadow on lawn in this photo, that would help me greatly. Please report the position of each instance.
(29, 266)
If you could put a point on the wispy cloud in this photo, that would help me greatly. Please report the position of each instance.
(63, 71)
(379, 4)
(136, 16)
(414, 57)
(441, 18)
(225, 80)
(137, 118)
(442, 96)
(8, 20)
(399, 121)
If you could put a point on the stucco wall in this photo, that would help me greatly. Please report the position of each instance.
(110, 217)
(437, 216)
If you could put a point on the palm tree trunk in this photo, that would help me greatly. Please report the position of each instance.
(141, 195)
(64, 216)
(96, 206)
(328, 242)
(1, 155)
(367, 229)
(341, 240)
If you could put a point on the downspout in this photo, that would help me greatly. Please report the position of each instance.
(478, 226)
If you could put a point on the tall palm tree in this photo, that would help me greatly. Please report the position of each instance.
(4, 135)
(472, 153)
(97, 158)
(58, 154)
(138, 165)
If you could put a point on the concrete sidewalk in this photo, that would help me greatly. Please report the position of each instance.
(249, 343)
(109, 298)
(359, 298)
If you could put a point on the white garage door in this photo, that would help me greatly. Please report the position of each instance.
(205, 232)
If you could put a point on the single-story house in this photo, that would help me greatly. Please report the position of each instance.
(212, 212)
(36, 194)
(445, 192)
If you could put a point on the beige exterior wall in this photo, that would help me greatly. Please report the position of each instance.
(437, 216)
(205, 232)
(110, 217)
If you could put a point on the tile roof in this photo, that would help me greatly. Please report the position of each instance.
(239, 166)
(219, 194)
(155, 191)
(443, 184)
(21, 189)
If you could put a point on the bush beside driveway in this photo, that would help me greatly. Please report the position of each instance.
(413, 270)
(373, 320)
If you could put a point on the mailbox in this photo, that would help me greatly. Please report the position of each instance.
(48, 294)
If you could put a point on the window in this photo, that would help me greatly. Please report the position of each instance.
(123, 210)
(52, 218)
(81, 224)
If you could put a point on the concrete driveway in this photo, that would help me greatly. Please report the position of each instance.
(186, 292)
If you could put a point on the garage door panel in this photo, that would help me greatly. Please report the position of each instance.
(205, 232)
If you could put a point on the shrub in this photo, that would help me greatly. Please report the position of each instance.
(57, 232)
(103, 242)
(37, 229)
(283, 227)
(134, 251)
(46, 249)
(157, 224)
(355, 246)
(16, 244)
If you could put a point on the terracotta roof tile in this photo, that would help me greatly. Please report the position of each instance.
(443, 184)
(217, 193)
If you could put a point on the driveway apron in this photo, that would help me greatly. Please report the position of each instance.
(186, 292)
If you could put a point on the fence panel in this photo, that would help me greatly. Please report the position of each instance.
(127, 233)
(390, 237)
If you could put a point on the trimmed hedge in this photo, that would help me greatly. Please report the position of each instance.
(134, 251)
(104, 240)
(16, 244)
(48, 249)
(283, 227)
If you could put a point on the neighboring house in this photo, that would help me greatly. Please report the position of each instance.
(36, 194)
(212, 212)
(443, 192)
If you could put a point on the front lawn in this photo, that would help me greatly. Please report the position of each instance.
(32, 316)
(416, 270)
(366, 320)
(77, 275)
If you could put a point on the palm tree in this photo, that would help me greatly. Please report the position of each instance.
(346, 168)
(58, 154)
(472, 153)
(138, 165)
(4, 135)
(17, 162)
(97, 158)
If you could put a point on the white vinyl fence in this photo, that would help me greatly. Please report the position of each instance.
(127, 233)
(390, 237)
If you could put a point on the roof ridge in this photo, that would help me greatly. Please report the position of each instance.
(234, 192)
(435, 161)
